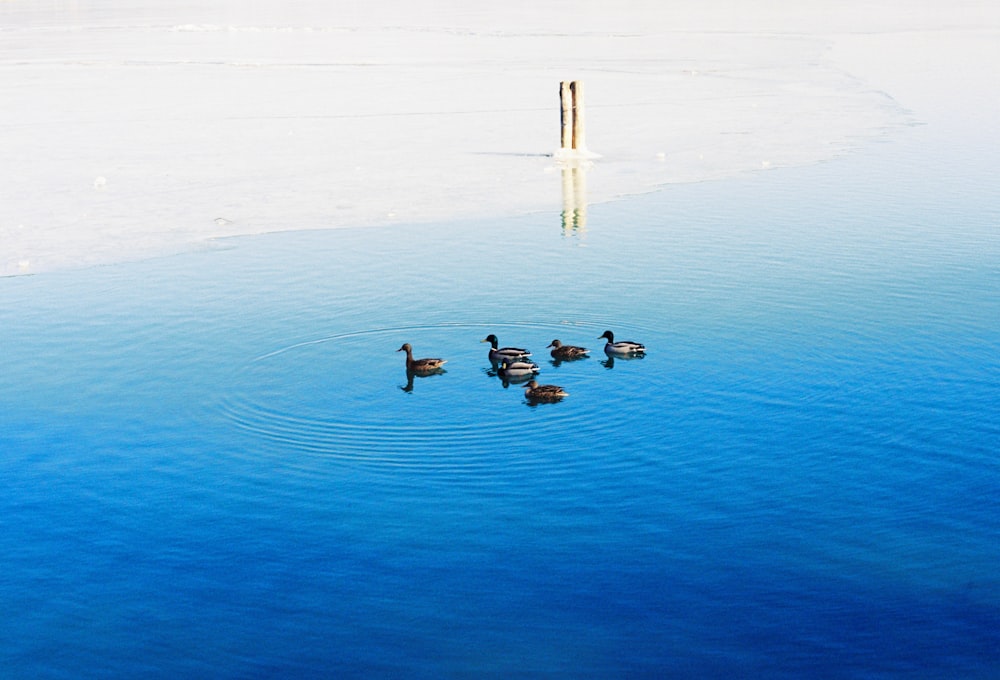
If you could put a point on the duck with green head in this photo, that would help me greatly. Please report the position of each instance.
(498, 354)
(622, 347)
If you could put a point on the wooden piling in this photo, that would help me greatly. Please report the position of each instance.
(578, 140)
(566, 117)
(572, 136)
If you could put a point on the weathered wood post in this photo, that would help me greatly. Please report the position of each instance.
(572, 130)
(566, 117)
(579, 141)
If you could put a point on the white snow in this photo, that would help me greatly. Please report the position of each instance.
(135, 128)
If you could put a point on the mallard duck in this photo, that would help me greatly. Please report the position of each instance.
(516, 369)
(536, 392)
(498, 355)
(420, 365)
(567, 352)
(623, 347)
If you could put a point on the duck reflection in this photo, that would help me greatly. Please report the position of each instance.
(610, 361)
(574, 196)
(410, 375)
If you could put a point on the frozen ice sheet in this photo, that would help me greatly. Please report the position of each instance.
(132, 129)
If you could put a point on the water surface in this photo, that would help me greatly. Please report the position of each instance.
(214, 463)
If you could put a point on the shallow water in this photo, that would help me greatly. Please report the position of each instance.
(214, 464)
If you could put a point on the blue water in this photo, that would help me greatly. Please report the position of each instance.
(213, 465)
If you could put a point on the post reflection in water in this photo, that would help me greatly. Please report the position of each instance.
(574, 196)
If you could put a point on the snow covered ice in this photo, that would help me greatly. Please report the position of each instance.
(133, 129)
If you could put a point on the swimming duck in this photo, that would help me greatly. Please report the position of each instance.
(535, 392)
(623, 347)
(498, 355)
(517, 369)
(420, 365)
(567, 352)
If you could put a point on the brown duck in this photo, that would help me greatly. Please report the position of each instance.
(535, 392)
(420, 365)
(567, 352)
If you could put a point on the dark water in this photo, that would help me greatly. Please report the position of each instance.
(213, 466)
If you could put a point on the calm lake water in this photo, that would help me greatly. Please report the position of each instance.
(213, 464)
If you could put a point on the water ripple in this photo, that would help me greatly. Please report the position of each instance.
(342, 397)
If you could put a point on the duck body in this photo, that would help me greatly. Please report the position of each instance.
(622, 347)
(498, 354)
(420, 365)
(517, 369)
(535, 392)
(567, 352)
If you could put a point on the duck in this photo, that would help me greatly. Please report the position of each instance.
(498, 355)
(517, 369)
(535, 392)
(623, 347)
(420, 365)
(567, 352)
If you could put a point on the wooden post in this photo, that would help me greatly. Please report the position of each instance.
(579, 141)
(566, 118)
(572, 135)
